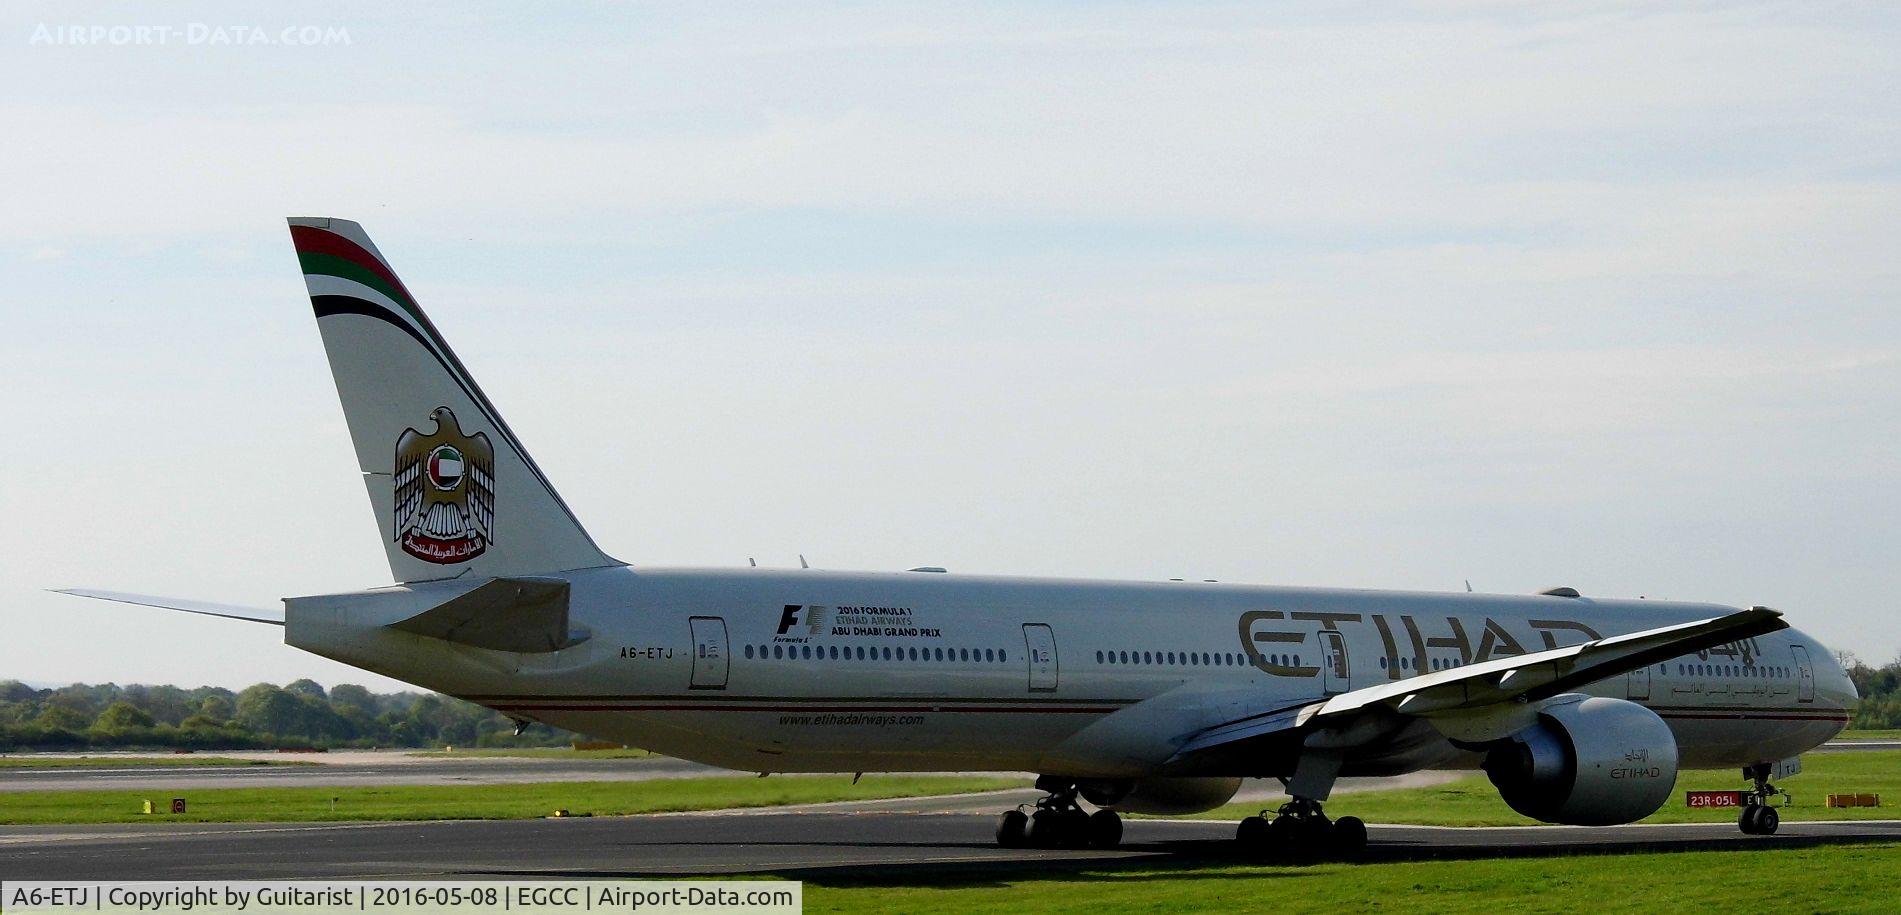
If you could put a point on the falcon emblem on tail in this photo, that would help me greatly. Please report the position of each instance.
(445, 492)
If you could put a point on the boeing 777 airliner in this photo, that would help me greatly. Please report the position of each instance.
(1127, 696)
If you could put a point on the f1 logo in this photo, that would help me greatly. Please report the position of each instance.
(789, 618)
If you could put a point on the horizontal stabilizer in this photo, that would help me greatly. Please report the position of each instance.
(228, 611)
(508, 614)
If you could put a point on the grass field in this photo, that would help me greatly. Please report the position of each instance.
(539, 753)
(127, 762)
(471, 802)
(1473, 801)
(1847, 878)
(1871, 734)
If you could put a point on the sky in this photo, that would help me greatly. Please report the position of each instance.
(1393, 296)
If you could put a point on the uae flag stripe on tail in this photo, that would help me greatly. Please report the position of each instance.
(445, 466)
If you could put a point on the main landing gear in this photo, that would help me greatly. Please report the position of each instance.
(1758, 818)
(1059, 822)
(1301, 830)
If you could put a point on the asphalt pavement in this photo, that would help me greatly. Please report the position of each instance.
(813, 843)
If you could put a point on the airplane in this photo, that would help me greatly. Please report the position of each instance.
(1131, 697)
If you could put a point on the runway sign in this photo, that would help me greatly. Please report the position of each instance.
(1713, 798)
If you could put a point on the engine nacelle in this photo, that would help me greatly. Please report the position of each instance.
(1165, 796)
(1587, 762)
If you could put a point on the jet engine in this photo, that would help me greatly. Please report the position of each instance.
(1587, 762)
(1167, 796)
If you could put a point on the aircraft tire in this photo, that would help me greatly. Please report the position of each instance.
(1251, 835)
(1313, 836)
(1349, 837)
(1045, 829)
(1283, 836)
(1076, 831)
(1012, 829)
(1105, 829)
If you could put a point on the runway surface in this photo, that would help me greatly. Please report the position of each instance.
(398, 768)
(813, 842)
(1850, 746)
(401, 767)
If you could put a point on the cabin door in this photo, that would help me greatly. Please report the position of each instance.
(709, 652)
(1040, 643)
(1336, 676)
(1804, 675)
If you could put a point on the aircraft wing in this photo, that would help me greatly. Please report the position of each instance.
(228, 611)
(1516, 679)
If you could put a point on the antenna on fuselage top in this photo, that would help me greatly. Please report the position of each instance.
(752, 563)
(1468, 586)
(802, 563)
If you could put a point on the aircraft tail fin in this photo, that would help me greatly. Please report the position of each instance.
(453, 489)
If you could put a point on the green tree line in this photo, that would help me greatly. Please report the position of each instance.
(1880, 689)
(265, 716)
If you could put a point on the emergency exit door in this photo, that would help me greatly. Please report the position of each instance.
(1040, 644)
(1637, 686)
(709, 652)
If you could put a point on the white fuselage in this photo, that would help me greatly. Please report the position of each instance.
(805, 670)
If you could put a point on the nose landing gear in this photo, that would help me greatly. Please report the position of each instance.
(1758, 817)
(1059, 822)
